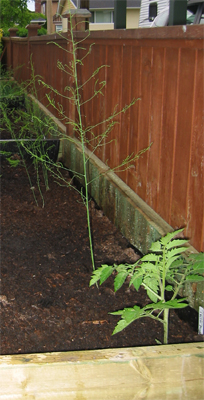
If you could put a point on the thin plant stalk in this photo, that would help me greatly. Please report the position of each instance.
(74, 94)
(166, 324)
(82, 137)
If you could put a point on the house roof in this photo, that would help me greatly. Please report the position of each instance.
(108, 4)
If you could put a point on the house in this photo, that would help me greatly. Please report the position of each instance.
(149, 10)
(102, 13)
(40, 6)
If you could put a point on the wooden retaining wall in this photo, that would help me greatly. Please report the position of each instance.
(171, 372)
(164, 68)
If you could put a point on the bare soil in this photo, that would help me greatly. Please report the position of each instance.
(46, 302)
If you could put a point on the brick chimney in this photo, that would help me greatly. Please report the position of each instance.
(38, 6)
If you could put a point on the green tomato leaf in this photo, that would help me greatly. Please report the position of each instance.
(175, 252)
(166, 239)
(194, 278)
(198, 262)
(177, 263)
(119, 312)
(102, 273)
(152, 296)
(176, 303)
(122, 324)
(199, 269)
(148, 267)
(106, 272)
(176, 243)
(169, 288)
(150, 257)
(95, 277)
(197, 257)
(128, 316)
(120, 279)
(156, 247)
(158, 341)
(136, 282)
(152, 283)
(171, 260)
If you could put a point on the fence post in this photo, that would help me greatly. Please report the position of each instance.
(32, 31)
(12, 32)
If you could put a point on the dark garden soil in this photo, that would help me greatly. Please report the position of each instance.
(46, 302)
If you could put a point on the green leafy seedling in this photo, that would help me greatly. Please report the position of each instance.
(164, 269)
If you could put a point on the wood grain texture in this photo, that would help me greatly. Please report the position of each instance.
(159, 372)
(164, 68)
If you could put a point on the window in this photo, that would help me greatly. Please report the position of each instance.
(58, 27)
(102, 17)
(152, 11)
(91, 19)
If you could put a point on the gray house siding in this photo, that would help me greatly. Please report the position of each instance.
(144, 11)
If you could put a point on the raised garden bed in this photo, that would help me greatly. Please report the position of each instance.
(47, 305)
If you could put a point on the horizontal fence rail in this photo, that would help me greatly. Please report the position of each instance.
(163, 69)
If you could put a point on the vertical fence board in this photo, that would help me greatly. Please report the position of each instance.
(156, 115)
(134, 115)
(20, 60)
(195, 194)
(85, 72)
(113, 102)
(126, 66)
(183, 138)
(99, 99)
(144, 118)
(168, 132)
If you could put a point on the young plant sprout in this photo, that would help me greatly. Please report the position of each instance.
(163, 270)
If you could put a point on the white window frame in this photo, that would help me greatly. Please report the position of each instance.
(58, 27)
(94, 15)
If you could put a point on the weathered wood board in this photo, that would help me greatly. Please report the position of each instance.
(158, 372)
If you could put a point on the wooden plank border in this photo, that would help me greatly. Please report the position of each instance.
(158, 372)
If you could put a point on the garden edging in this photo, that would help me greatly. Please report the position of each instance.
(158, 372)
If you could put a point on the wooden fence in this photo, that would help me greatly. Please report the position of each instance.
(163, 68)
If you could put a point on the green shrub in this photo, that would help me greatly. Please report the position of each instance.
(22, 32)
(42, 31)
(6, 32)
